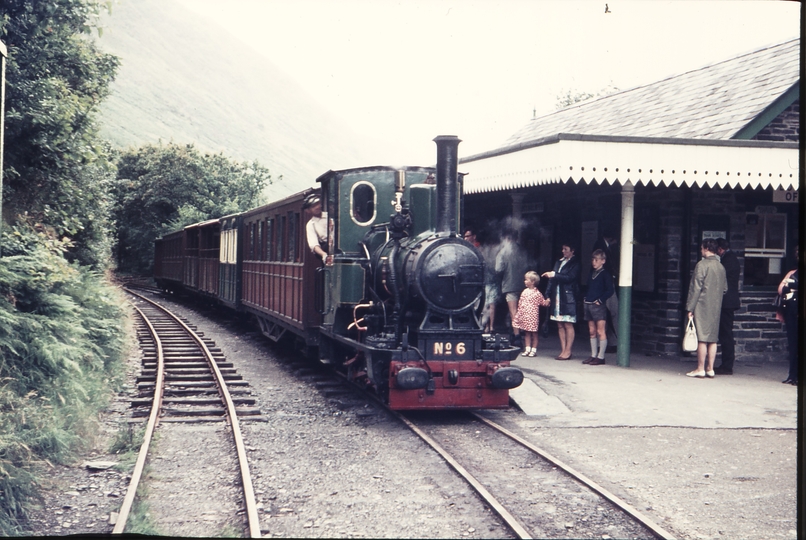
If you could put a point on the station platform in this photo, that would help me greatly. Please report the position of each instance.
(652, 391)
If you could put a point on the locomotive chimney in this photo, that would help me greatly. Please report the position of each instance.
(447, 183)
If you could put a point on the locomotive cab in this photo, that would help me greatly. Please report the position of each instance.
(401, 292)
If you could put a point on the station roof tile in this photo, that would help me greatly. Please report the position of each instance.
(713, 102)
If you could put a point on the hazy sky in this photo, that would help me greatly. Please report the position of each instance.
(405, 71)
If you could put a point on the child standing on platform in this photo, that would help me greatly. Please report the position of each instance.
(600, 288)
(527, 318)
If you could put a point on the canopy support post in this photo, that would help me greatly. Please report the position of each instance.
(625, 273)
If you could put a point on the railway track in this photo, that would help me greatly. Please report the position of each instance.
(523, 484)
(186, 379)
(536, 494)
(528, 488)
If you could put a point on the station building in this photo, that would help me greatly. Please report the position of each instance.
(709, 153)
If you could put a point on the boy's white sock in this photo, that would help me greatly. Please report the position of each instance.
(602, 348)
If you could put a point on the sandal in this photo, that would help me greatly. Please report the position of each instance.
(532, 353)
(698, 374)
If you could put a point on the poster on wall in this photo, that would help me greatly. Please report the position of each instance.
(713, 234)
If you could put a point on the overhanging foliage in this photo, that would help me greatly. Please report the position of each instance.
(161, 188)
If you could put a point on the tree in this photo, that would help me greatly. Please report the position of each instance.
(56, 167)
(569, 97)
(163, 188)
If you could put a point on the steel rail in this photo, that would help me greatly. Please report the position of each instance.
(246, 478)
(511, 521)
(128, 500)
(628, 509)
(517, 527)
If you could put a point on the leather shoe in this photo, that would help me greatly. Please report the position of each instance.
(787, 381)
(588, 360)
(723, 371)
(597, 361)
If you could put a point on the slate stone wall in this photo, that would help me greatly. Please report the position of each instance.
(657, 320)
(785, 127)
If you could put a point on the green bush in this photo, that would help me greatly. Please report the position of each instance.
(60, 339)
(161, 188)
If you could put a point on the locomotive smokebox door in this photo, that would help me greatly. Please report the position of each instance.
(451, 276)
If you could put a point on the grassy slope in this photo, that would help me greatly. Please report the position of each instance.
(183, 80)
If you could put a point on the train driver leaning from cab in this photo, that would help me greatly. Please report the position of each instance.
(316, 229)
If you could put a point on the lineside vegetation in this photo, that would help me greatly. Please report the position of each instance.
(61, 343)
(68, 200)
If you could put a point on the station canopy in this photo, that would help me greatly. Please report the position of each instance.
(606, 159)
(705, 127)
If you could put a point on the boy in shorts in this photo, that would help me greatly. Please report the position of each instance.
(600, 288)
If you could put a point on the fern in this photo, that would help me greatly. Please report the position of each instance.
(61, 339)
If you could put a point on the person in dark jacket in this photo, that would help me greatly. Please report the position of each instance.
(600, 289)
(562, 293)
(788, 289)
(730, 303)
(608, 243)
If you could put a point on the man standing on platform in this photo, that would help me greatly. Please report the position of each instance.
(511, 264)
(730, 303)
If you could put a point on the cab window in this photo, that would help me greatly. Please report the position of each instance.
(362, 203)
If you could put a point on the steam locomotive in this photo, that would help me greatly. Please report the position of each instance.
(395, 303)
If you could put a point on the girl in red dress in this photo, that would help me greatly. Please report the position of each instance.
(527, 318)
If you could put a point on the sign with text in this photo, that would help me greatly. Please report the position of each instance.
(788, 196)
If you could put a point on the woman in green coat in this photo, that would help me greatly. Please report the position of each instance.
(704, 305)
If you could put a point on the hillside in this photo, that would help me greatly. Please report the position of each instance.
(183, 79)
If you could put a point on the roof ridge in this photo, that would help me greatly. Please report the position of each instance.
(653, 83)
(729, 91)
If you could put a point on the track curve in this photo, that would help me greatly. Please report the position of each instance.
(161, 322)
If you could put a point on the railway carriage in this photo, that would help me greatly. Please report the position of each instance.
(278, 270)
(396, 304)
(202, 247)
(169, 260)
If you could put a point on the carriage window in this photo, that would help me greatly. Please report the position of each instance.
(362, 202)
(229, 239)
(251, 241)
(222, 254)
(292, 237)
(260, 241)
(233, 246)
(280, 238)
(268, 239)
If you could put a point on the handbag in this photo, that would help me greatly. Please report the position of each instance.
(690, 337)
(778, 302)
